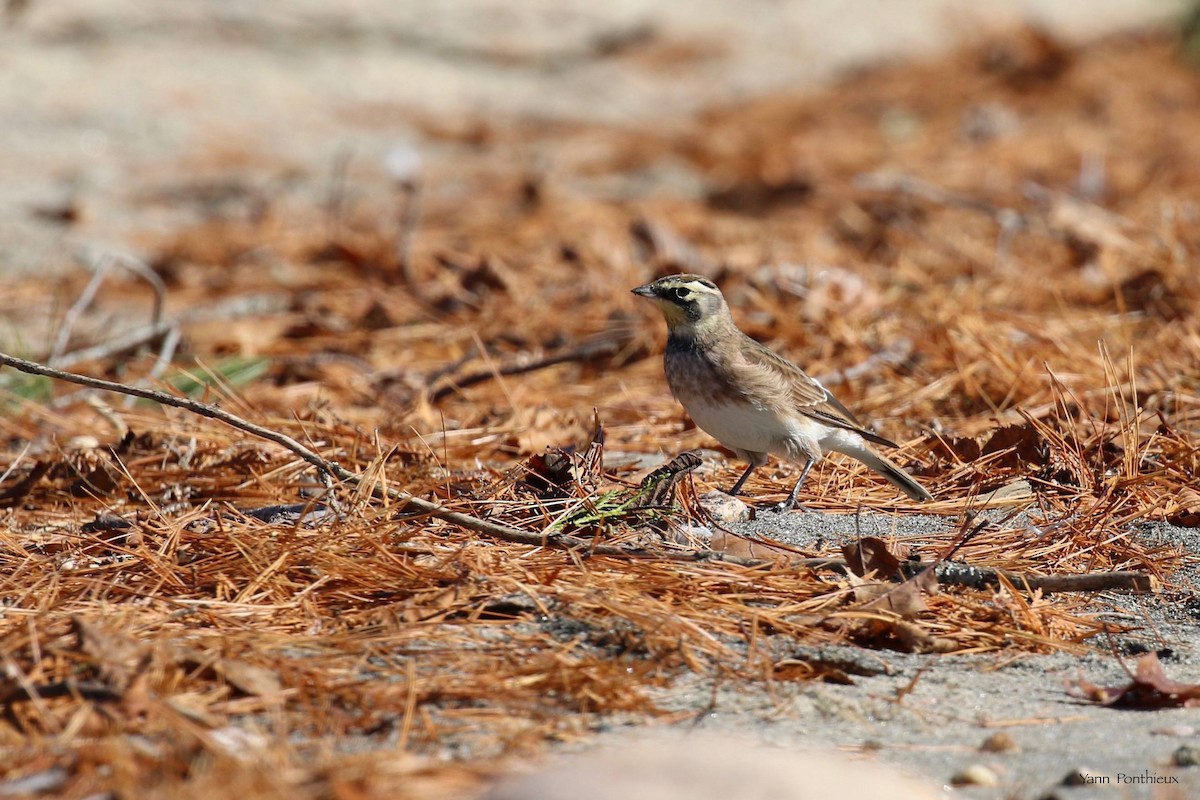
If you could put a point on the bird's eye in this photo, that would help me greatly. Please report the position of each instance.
(680, 293)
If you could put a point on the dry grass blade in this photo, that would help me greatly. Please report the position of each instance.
(478, 568)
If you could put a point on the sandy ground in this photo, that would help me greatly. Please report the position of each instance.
(107, 104)
(932, 714)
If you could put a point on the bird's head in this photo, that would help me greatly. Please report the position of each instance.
(690, 303)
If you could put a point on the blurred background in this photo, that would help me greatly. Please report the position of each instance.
(112, 107)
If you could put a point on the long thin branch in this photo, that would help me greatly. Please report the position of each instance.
(948, 572)
(202, 409)
(101, 266)
(76, 310)
(604, 345)
(498, 530)
(231, 308)
(955, 573)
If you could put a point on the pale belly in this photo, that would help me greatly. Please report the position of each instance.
(750, 429)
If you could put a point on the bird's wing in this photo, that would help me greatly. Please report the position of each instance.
(811, 398)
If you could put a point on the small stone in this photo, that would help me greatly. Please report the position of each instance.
(726, 508)
(695, 537)
(1082, 776)
(999, 742)
(975, 775)
(1186, 756)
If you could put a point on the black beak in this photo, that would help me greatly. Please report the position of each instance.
(645, 291)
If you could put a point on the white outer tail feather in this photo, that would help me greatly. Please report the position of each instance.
(895, 476)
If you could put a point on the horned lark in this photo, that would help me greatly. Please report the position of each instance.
(752, 400)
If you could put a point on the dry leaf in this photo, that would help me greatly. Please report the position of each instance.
(825, 291)
(1184, 508)
(734, 545)
(116, 657)
(138, 701)
(1018, 491)
(249, 679)
(194, 707)
(1021, 444)
(1089, 224)
(870, 556)
(1150, 688)
(889, 632)
(903, 599)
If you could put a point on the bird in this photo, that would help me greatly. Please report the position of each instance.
(751, 399)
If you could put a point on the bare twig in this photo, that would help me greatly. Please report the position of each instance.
(142, 270)
(403, 164)
(947, 573)
(201, 409)
(604, 345)
(407, 225)
(906, 184)
(100, 271)
(101, 266)
(232, 308)
(413, 504)
(335, 201)
(165, 353)
(119, 344)
(953, 573)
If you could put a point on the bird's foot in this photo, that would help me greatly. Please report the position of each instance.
(781, 507)
(775, 508)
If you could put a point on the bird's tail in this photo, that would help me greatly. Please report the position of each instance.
(896, 476)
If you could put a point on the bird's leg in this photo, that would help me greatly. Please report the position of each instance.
(737, 487)
(790, 503)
